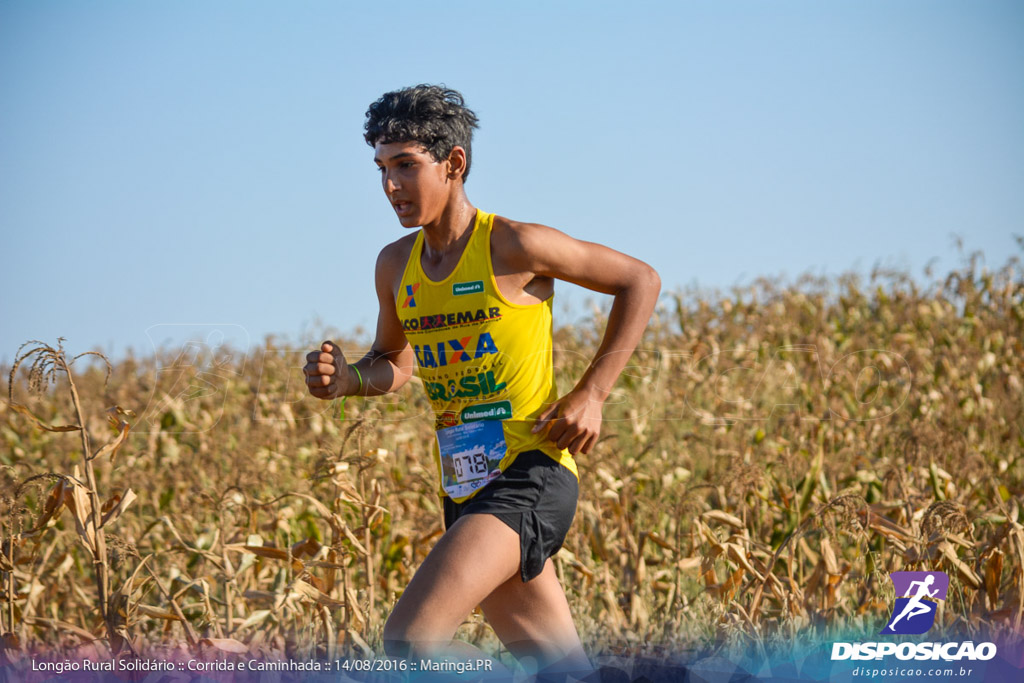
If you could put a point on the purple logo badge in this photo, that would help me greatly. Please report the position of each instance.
(917, 594)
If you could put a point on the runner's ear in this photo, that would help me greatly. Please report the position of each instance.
(456, 162)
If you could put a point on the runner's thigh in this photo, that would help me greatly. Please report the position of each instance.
(533, 618)
(475, 556)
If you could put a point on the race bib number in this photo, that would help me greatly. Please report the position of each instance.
(470, 454)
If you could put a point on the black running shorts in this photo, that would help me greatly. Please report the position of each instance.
(536, 497)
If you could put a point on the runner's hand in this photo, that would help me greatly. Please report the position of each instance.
(327, 374)
(575, 421)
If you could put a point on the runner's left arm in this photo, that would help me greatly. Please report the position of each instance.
(389, 363)
(575, 419)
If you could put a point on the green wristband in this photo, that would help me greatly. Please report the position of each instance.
(341, 404)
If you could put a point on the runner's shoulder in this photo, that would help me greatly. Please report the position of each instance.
(512, 239)
(392, 259)
(395, 255)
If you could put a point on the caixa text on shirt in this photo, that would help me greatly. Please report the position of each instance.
(451, 351)
(440, 321)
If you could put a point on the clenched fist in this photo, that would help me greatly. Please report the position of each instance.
(327, 373)
(574, 421)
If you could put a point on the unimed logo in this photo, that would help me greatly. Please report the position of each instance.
(913, 613)
(916, 596)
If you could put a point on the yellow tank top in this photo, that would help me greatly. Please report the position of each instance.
(480, 356)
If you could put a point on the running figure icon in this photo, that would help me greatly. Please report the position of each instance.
(914, 606)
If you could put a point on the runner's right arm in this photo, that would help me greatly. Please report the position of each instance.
(389, 363)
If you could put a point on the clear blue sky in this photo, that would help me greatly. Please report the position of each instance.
(202, 162)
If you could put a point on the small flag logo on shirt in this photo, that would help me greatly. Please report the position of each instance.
(410, 295)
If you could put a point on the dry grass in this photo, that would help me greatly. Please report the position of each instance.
(770, 456)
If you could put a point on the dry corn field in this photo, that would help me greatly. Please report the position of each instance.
(769, 456)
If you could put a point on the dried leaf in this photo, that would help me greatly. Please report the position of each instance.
(355, 541)
(659, 541)
(57, 623)
(993, 574)
(738, 555)
(828, 555)
(812, 557)
(259, 596)
(565, 555)
(356, 618)
(724, 518)
(225, 644)
(689, 563)
(966, 573)
(264, 551)
(888, 528)
(618, 618)
(257, 617)
(316, 581)
(308, 546)
(156, 612)
(114, 507)
(52, 507)
(115, 412)
(639, 616)
(77, 500)
(17, 407)
(728, 589)
(112, 447)
(271, 553)
(310, 592)
(321, 564)
(357, 639)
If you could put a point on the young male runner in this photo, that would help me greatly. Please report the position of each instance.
(468, 299)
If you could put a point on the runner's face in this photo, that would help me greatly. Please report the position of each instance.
(417, 186)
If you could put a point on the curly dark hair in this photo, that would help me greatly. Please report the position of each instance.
(432, 115)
